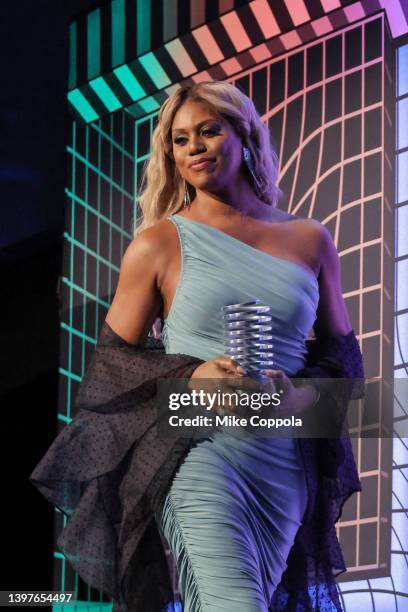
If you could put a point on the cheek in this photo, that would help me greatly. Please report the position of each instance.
(231, 152)
(178, 160)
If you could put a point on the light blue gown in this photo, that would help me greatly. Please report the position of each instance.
(236, 503)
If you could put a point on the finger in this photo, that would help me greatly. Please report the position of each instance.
(228, 363)
(273, 373)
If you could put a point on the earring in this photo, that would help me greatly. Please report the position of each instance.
(249, 163)
(186, 201)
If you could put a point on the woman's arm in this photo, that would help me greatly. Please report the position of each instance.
(137, 301)
(332, 317)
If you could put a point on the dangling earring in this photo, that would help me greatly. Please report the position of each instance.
(249, 163)
(186, 201)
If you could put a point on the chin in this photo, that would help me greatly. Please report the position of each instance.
(204, 185)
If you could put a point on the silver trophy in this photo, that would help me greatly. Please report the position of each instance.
(248, 338)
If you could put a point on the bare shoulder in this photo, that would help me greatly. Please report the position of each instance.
(319, 231)
(304, 223)
(310, 240)
(293, 221)
(316, 238)
(311, 229)
(152, 241)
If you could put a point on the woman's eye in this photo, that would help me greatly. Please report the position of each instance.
(180, 140)
(210, 131)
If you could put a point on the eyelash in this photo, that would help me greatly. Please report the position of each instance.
(211, 132)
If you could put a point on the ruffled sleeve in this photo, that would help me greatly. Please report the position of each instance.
(108, 469)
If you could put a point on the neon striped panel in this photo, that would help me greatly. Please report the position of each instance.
(211, 40)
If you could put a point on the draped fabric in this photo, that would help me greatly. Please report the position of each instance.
(218, 269)
(108, 471)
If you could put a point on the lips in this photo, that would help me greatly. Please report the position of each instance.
(202, 163)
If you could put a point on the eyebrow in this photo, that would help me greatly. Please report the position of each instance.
(197, 126)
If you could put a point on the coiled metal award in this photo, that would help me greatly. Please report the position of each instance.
(247, 329)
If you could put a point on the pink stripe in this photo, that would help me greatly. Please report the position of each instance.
(265, 18)
(298, 11)
(236, 31)
(290, 40)
(354, 12)
(170, 90)
(202, 76)
(330, 5)
(396, 17)
(322, 26)
(181, 57)
(260, 53)
(208, 45)
(230, 66)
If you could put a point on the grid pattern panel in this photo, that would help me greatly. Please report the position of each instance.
(99, 217)
(143, 139)
(399, 526)
(313, 103)
(389, 593)
(325, 107)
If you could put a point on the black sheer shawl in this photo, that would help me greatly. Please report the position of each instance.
(109, 472)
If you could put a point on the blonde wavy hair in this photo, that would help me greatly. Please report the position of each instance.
(163, 188)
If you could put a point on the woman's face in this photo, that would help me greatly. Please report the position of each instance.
(206, 149)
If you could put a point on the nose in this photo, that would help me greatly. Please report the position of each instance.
(196, 146)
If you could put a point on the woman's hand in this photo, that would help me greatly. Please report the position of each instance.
(294, 400)
(221, 374)
(221, 366)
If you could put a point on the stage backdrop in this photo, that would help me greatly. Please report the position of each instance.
(330, 78)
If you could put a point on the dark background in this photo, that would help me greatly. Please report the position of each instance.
(34, 124)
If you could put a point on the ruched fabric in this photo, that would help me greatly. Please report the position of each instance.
(217, 269)
(230, 518)
(236, 503)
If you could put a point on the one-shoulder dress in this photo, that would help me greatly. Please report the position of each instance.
(236, 503)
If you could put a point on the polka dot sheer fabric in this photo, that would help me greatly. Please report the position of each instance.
(109, 471)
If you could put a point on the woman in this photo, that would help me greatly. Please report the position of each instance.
(212, 235)
(211, 150)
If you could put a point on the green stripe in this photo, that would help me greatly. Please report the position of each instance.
(64, 418)
(69, 374)
(76, 332)
(143, 26)
(118, 32)
(149, 104)
(58, 555)
(155, 71)
(102, 89)
(72, 76)
(78, 100)
(130, 82)
(94, 43)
